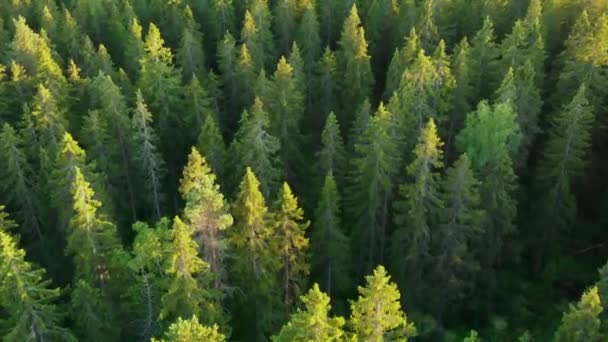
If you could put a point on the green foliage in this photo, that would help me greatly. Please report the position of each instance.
(313, 323)
(581, 322)
(191, 330)
(27, 298)
(377, 314)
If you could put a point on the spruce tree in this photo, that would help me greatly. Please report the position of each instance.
(563, 162)
(308, 39)
(327, 83)
(332, 156)
(150, 161)
(376, 315)
(227, 59)
(285, 17)
(459, 231)
(18, 182)
(417, 212)
(289, 229)
(354, 64)
(376, 157)
(91, 239)
(254, 264)
(92, 314)
(207, 213)
(197, 105)
(463, 92)
(330, 257)
(27, 298)
(312, 323)
(286, 108)
(256, 148)
(211, 144)
(222, 20)
(184, 330)
(484, 61)
(187, 278)
(401, 61)
(190, 55)
(134, 49)
(581, 322)
(262, 18)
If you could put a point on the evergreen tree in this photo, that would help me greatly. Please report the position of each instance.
(207, 213)
(463, 92)
(184, 330)
(429, 33)
(286, 107)
(190, 55)
(377, 315)
(92, 314)
(313, 323)
(262, 19)
(197, 105)
(372, 186)
(254, 264)
(402, 59)
(187, 279)
(134, 49)
(354, 64)
(227, 59)
(151, 164)
(308, 39)
(332, 156)
(91, 239)
(245, 72)
(118, 145)
(256, 148)
(484, 61)
(223, 19)
(329, 243)
(26, 297)
(563, 162)
(459, 232)
(17, 181)
(289, 230)
(159, 82)
(581, 322)
(417, 212)
(519, 89)
(285, 17)
(47, 123)
(211, 144)
(327, 82)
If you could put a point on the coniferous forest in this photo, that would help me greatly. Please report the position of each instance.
(303, 170)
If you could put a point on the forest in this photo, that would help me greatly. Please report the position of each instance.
(303, 170)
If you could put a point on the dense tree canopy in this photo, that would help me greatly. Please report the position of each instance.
(218, 170)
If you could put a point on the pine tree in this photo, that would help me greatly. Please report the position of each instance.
(27, 298)
(17, 182)
(417, 212)
(330, 257)
(581, 322)
(354, 64)
(190, 55)
(191, 330)
(377, 315)
(563, 162)
(332, 156)
(151, 164)
(313, 323)
(187, 279)
(256, 148)
(291, 243)
(207, 213)
(254, 264)
(376, 157)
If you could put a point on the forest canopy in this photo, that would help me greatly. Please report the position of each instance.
(303, 170)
